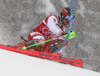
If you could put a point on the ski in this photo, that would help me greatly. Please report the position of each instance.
(75, 62)
(50, 56)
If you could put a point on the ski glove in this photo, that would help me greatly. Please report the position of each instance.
(72, 34)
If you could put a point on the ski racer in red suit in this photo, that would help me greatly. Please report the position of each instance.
(52, 26)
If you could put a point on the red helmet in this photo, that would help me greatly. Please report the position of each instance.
(65, 12)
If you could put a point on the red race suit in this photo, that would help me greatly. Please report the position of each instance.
(49, 28)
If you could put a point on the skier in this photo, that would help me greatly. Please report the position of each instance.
(51, 27)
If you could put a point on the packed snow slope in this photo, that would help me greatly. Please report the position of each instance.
(15, 64)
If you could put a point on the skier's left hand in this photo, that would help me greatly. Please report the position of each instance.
(72, 34)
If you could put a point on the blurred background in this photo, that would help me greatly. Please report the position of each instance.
(19, 17)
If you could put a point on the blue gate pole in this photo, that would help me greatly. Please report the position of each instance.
(69, 29)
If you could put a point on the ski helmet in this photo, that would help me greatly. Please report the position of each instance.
(66, 12)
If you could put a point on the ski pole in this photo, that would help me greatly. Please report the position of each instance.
(40, 43)
(72, 35)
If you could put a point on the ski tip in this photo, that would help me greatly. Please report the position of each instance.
(79, 63)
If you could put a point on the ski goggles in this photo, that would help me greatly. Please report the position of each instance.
(69, 18)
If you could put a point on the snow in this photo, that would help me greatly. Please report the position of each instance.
(49, 7)
(15, 64)
(82, 9)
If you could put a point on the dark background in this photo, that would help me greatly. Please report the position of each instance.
(19, 17)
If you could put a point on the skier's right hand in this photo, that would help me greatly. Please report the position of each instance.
(41, 45)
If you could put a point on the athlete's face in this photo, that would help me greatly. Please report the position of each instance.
(66, 22)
